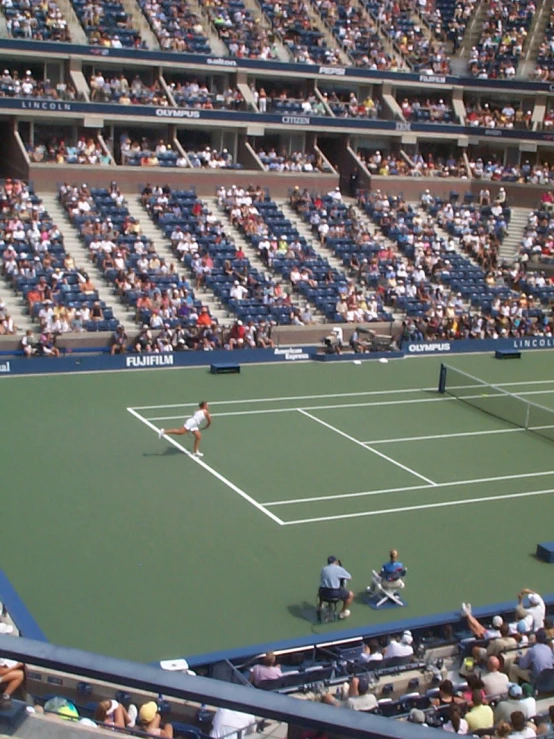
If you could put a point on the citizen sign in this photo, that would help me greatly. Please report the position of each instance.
(150, 360)
(177, 113)
(295, 120)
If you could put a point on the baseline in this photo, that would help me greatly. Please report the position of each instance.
(458, 434)
(370, 493)
(364, 446)
(392, 391)
(441, 399)
(209, 469)
(423, 507)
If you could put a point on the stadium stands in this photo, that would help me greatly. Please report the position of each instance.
(241, 32)
(200, 241)
(118, 89)
(58, 295)
(144, 281)
(176, 26)
(107, 24)
(35, 20)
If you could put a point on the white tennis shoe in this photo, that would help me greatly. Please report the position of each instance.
(161, 432)
(197, 454)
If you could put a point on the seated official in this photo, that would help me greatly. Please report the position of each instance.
(331, 585)
(391, 574)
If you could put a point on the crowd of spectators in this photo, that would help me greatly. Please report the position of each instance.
(295, 161)
(197, 95)
(55, 150)
(118, 89)
(494, 170)
(544, 71)
(425, 55)
(500, 46)
(107, 24)
(211, 158)
(348, 105)
(284, 102)
(14, 84)
(427, 110)
(490, 115)
(40, 20)
(150, 153)
(176, 27)
(292, 23)
(357, 33)
(385, 164)
(243, 34)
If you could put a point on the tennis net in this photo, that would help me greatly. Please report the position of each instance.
(496, 401)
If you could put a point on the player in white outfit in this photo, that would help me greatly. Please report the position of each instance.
(200, 419)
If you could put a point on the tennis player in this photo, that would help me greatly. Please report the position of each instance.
(200, 420)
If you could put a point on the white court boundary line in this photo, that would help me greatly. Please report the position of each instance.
(364, 446)
(277, 399)
(458, 434)
(440, 399)
(423, 507)
(370, 493)
(209, 469)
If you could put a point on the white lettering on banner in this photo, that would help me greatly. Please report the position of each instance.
(5, 367)
(539, 342)
(45, 105)
(337, 71)
(177, 113)
(291, 353)
(432, 78)
(422, 348)
(401, 126)
(296, 120)
(492, 132)
(151, 360)
(222, 62)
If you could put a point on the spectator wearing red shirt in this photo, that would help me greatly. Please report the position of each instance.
(236, 336)
(204, 319)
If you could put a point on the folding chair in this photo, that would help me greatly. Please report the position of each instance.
(384, 593)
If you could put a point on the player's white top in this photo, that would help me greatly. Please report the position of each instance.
(193, 423)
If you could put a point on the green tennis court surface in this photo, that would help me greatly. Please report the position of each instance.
(123, 544)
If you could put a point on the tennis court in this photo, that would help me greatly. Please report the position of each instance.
(124, 544)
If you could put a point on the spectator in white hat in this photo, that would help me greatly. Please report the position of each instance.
(401, 648)
(536, 608)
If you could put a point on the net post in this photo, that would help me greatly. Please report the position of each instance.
(442, 378)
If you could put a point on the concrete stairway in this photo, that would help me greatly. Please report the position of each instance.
(535, 37)
(75, 246)
(16, 308)
(385, 41)
(254, 259)
(283, 53)
(164, 250)
(76, 30)
(304, 230)
(216, 44)
(472, 34)
(141, 24)
(516, 228)
(328, 35)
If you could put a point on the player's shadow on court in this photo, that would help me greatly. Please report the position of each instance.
(169, 451)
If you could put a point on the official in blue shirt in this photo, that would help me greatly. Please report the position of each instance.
(331, 585)
(393, 571)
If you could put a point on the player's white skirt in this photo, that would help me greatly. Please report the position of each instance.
(192, 425)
